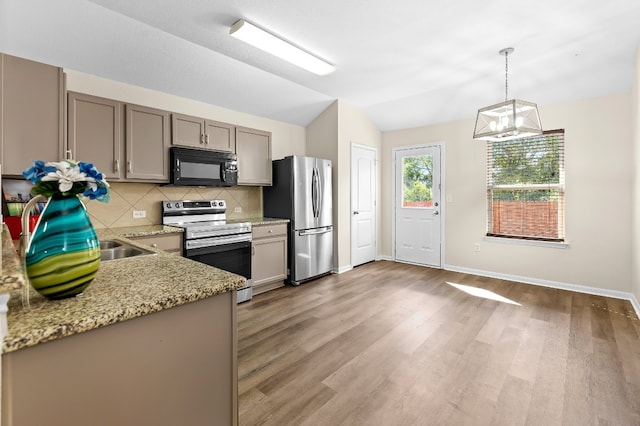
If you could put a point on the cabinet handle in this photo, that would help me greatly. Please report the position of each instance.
(116, 166)
(253, 249)
(154, 245)
(69, 154)
(206, 139)
(201, 138)
(129, 166)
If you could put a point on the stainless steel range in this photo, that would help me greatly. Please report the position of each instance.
(210, 239)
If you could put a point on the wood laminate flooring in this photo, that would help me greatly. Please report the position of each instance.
(397, 344)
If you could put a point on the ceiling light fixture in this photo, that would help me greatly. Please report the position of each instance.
(261, 39)
(510, 119)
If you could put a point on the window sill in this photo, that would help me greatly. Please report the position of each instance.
(517, 241)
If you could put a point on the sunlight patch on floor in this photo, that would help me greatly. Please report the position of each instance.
(481, 292)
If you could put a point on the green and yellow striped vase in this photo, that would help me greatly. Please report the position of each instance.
(63, 256)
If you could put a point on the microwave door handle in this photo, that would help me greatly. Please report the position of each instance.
(223, 172)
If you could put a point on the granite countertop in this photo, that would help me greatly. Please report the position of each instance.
(259, 221)
(123, 289)
(12, 277)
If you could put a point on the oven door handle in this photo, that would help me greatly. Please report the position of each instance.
(216, 249)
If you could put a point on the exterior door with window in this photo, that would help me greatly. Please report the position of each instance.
(418, 206)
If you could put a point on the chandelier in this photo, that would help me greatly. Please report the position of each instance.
(510, 119)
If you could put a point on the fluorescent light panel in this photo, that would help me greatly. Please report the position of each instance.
(249, 33)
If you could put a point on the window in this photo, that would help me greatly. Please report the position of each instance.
(525, 187)
(417, 181)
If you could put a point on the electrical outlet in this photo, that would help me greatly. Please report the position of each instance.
(237, 210)
(139, 214)
(476, 247)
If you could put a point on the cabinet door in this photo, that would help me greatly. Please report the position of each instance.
(95, 132)
(147, 143)
(253, 148)
(32, 113)
(220, 136)
(269, 261)
(187, 131)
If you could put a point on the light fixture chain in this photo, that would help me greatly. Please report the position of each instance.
(506, 75)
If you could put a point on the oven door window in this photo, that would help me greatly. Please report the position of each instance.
(235, 258)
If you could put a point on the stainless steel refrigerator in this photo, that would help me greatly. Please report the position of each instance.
(301, 192)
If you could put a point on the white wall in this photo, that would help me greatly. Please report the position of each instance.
(287, 139)
(354, 127)
(635, 110)
(599, 169)
(330, 136)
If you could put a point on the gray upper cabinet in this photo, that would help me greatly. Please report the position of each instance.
(220, 136)
(197, 132)
(31, 112)
(253, 148)
(125, 142)
(95, 132)
(147, 143)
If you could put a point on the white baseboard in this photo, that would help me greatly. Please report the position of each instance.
(551, 284)
(384, 257)
(342, 269)
(635, 304)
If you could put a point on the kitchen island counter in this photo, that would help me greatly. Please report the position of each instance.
(123, 289)
(152, 340)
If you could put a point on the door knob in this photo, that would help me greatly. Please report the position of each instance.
(436, 213)
(356, 213)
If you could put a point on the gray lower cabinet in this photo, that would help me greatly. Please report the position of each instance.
(202, 133)
(253, 148)
(269, 257)
(173, 367)
(124, 141)
(31, 113)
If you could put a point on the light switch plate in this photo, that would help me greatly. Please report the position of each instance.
(139, 214)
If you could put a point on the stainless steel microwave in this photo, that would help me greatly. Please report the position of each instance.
(199, 167)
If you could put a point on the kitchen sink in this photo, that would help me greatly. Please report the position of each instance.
(112, 250)
(109, 244)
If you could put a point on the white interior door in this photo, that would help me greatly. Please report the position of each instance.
(418, 205)
(363, 205)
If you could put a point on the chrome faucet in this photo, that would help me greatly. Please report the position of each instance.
(25, 236)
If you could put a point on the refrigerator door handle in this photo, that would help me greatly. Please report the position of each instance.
(318, 193)
(315, 231)
(314, 191)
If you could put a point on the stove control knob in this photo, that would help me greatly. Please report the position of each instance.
(221, 203)
(214, 204)
(177, 205)
(168, 205)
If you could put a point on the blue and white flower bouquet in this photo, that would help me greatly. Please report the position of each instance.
(66, 178)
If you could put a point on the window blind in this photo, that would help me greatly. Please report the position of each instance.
(525, 187)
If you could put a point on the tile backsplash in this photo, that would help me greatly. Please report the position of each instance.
(127, 197)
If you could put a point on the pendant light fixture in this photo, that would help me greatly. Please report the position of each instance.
(511, 119)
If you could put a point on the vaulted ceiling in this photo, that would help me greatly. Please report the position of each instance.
(405, 63)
